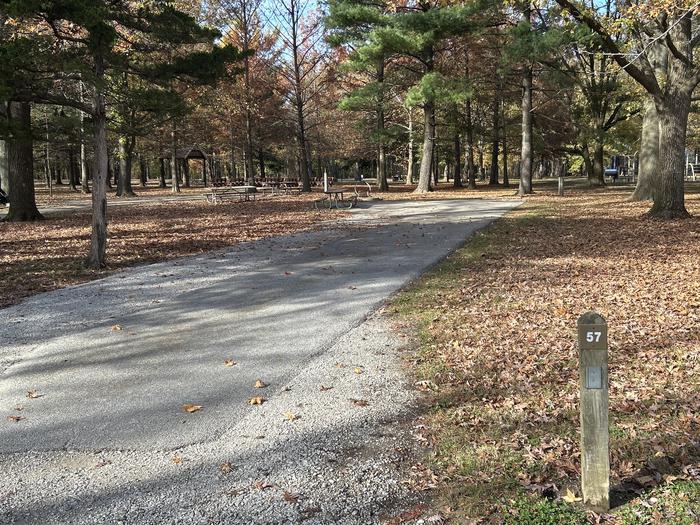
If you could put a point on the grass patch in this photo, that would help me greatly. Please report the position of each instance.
(674, 504)
(530, 511)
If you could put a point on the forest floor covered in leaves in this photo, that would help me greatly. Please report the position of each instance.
(43, 256)
(498, 359)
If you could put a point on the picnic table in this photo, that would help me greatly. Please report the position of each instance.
(239, 193)
(335, 198)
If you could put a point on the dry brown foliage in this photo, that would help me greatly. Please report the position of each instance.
(499, 349)
(41, 256)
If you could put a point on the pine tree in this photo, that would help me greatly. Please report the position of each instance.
(408, 35)
(152, 40)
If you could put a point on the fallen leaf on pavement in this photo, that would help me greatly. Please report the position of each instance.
(358, 370)
(116, 328)
(262, 485)
(290, 416)
(15, 419)
(259, 383)
(289, 497)
(33, 394)
(226, 467)
(324, 388)
(177, 459)
(359, 402)
(230, 362)
(257, 400)
(190, 408)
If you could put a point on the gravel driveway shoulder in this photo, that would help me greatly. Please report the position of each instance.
(332, 445)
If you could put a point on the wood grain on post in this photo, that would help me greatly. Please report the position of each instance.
(593, 384)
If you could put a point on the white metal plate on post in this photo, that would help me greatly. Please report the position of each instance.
(594, 377)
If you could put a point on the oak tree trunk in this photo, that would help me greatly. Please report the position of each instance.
(597, 176)
(669, 197)
(647, 177)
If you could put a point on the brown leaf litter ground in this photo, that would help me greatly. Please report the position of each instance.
(43, 256)
(498, 359)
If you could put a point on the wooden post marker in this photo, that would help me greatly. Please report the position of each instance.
(593, 383)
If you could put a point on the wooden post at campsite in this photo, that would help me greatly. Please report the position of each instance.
(593, 384)
(561, 185)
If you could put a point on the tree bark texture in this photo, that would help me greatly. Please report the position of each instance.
(495, 137)
(647, 177)
(20, 158)
(98, 239)
(126, 155)
(526, 151)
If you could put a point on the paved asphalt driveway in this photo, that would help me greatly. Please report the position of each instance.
(114, 360)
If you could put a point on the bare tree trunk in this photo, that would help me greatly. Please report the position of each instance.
(20, 157)
(504, 136)
(110, 171)
(124, 188)
(597, 177)
(261, 163)
(58, 173)
(84, 172)
(669, 197)
(186, 172)
(410, 158)
(72, 172)
(4, 171)
(248, 153)
(174, 181)
(161, 183)
(143, 171)
(526, 151)
(458, 161)
(648, 154)
(471, 172)
(98, 239)
(382, 183)
(495, 136)
(426, 164)
(482, 167)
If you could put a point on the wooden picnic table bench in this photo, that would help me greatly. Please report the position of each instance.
(290, 188)
(335, 198)
(238, 193)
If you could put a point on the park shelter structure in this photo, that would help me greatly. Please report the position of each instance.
(183, 157)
